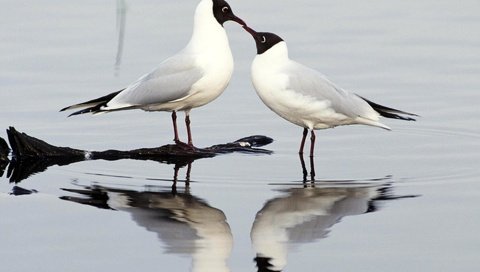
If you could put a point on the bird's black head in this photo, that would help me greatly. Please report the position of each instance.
(263, 40)
(223, 12)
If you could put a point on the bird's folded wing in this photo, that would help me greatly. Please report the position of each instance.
(309, 82)
(172, 80)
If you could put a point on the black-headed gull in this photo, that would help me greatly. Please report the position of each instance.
(192, 78)
(304, 96)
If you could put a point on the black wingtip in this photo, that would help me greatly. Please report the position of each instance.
(75, 113)
(95, 109)
(93, 104)
(395, 116)
(392, 113)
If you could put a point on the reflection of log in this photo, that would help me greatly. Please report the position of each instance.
(19, 191)
(4, 151)
(31, 155)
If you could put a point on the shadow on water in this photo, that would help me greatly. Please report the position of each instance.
(187, 224)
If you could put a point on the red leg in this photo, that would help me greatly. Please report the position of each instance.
(302, 144)
(304, 168)
(312, 169)
(189, 132)
(175, 130)
(312, 145)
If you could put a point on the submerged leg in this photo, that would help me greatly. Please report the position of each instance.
(175, 130)
(189, 132)
(312, 145)
(302, 144)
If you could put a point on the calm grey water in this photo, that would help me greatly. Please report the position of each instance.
(406, 200)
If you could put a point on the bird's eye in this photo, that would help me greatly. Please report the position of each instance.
(264, 40)
(225, 9)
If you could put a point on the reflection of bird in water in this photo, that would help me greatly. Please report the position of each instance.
(186, 224)
(305, 215)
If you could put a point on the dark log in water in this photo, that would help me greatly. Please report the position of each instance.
(31, 155)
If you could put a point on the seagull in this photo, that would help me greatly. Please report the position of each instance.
(304, 96)
(192, 78)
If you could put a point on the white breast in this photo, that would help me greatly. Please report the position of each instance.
(211, 50)
(218, 68)
(303, 96)
(192, 78)
(271, 80)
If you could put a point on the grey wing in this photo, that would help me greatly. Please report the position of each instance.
(171, 81)
(311, 83)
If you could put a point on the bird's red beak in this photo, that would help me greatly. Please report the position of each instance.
(239, 21)
(249, 30)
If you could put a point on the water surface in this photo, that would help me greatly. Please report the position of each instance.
(406, 200)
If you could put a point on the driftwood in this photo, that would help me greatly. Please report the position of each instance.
(31, 155)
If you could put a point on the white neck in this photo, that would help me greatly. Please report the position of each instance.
(208, 34)
(278, 53)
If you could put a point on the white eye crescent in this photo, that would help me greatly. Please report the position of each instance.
(264, 40)
(225, 9)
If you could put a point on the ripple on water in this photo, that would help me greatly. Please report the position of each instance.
(451, 154)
